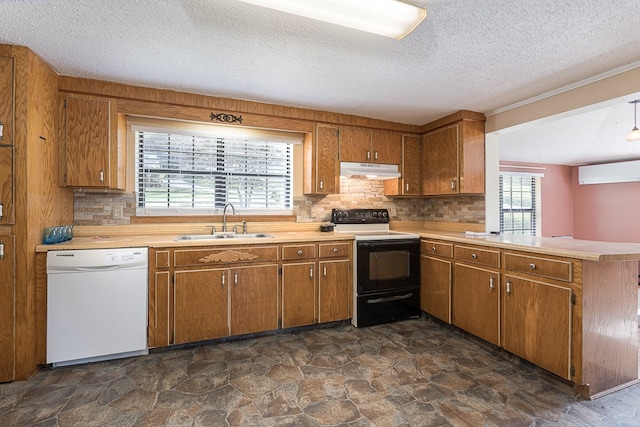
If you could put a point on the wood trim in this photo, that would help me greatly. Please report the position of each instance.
(209, 218)
(123, 91)
(452, 118)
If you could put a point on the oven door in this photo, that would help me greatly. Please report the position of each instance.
(385, 265)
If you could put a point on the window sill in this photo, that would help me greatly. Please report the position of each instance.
(152, 219)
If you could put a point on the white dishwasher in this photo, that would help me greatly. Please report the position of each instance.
(96, 305)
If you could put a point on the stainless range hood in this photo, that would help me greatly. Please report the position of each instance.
(369, 170)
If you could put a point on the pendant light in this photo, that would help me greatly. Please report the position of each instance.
(634, 135)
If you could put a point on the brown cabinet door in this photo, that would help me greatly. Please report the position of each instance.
(327, 150)
(435, 287)
(475, 296)
(88, 132)
(200, 305)
(298, 294)
(7, 309)
(254, 299)
(472, 158)
(355, 145)
(536, 319)
(7, 212)
(386, 147)
(6, 100)
(411, 165)
(440, 161)
(335, 291)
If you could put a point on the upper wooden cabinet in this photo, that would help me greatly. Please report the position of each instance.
(409, 183)
(321, 174)
(92, 155)
(6, 100)
(453, 159)
(365, 145)
(7, 211)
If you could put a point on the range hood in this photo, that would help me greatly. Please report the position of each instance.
(369, 170)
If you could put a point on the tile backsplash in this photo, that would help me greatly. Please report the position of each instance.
(98, 208)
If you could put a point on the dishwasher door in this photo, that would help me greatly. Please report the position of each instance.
(96, 305)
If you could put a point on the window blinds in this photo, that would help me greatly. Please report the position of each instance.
(518, 207)
(198, 173)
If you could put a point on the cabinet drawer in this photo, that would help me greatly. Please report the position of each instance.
(334, 250)
(224, 256)
(488, 257)
(544, 267)
(291, 252)
(432, 247)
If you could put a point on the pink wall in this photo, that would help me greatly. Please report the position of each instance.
(608, 212)
(557, 198)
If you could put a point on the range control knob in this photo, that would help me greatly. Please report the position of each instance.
(384, 214)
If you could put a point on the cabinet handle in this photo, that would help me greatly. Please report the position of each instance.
(508, 287)
(311, 272)
(406, 187)
(300, 252)
(434, 249)
(223, 280)
(1, 249)
(491, 283)
(321, 185)
(324, 271)
(1, 130)
(368, 155)
(532, 266)
(335, 250)
(1, 211)
(474, 256)
(235, 279)
(101, 175)
(375, 155)
(453, 184)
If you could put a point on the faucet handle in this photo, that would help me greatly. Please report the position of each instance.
(235, 228)
(213, 229)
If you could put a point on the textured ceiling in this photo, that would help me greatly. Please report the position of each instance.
(467, 54)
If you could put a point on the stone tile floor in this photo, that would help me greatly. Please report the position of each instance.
(412, 373)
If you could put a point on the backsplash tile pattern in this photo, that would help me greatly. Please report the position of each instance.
(97, 208)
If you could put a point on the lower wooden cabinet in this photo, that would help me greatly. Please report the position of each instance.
(476, 301)
(436, 273)
(298, 294)
(253, 299)
(200, 299)
(335, 290)
(7, 309)
(536, 323)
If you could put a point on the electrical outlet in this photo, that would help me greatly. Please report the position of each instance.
(117, 212)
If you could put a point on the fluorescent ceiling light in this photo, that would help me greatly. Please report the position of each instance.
(390, 18)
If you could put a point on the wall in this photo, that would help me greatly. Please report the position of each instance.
(96, 208)
(607, 212)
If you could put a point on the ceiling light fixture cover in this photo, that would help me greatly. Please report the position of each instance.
(634, 135)
(390, 18)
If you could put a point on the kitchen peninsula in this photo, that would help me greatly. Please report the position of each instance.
(569, 306)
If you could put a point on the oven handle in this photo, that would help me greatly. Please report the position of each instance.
(389, 299)
(389, 242)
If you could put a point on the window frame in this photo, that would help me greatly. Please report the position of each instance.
(534, 225)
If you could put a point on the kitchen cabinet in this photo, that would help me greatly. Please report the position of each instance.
(334, 281)
(92, 155)
(200, 305)
(321, 164)
(436, 268)
(299, 293)
(7, 211)
(6, 100)
(409, 183)
(7, 307)
(476, 292)
(453, 160)
(364, 145)
(254, 299)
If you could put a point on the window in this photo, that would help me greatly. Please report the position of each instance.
(519, 204)
(182, 172)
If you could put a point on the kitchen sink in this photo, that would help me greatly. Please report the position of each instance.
(223, 236)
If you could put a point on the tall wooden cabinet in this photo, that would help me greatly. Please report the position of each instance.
(453, 160)
(92, 155)
(31, 200)
(409, 184)
(321, 163)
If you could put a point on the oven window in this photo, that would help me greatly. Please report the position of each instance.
(389, 265)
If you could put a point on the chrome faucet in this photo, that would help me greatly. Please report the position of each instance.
(224, 216)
